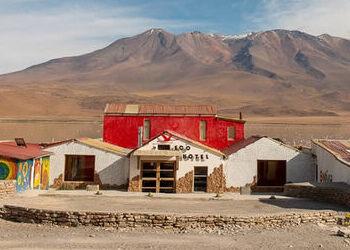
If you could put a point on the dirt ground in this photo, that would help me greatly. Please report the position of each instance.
(170, 204)
(31, 236)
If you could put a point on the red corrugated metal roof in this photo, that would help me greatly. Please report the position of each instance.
(241, 144)
(339, 148)
(11, 150)
(163, 109)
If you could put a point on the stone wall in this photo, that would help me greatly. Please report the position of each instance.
(217, 181)
(320, 193)
(131, 220)
(7, 188)
(185, 183)
(135, 184)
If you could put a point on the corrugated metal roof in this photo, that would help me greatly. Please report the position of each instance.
(104, 146)
(11, 150)
(246, 142)
(227, 118)
(95, 143)
(339, 148)
(241, 144)
(161, 109)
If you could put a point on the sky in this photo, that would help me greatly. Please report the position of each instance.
(34, 31)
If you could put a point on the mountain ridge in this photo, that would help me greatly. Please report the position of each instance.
(275, 72)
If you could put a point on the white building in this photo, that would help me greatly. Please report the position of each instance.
(256, 161)
(263, 161)
(173, 163)
(333, 160)
(78, 162)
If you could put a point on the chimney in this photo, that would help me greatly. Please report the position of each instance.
(240, 116)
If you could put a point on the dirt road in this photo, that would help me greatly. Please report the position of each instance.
(30, 236)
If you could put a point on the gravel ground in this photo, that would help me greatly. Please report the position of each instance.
(31, 236)
(172, 206)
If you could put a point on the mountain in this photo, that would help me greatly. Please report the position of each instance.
(271, 73)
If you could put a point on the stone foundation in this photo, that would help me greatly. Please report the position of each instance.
(185, 183)
(7, 188)
(232, 189)
(319, 193)
(57, 183)
(135, 184)
(216, 182)
(132, 220)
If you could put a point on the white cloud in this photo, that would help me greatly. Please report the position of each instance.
(312, 16)
(30, 36)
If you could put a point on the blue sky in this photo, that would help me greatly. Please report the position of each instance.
(33, 31)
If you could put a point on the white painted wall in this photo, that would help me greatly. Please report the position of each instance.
(112, 168)
(241, 167)
(185, 165)
(327, 162)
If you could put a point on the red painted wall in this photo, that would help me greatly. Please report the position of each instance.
(122, 130)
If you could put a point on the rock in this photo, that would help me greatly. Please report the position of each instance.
(343, 233)
(94, 188)
(91, 235)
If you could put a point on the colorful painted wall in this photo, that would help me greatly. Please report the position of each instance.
(37, 174)
(23, 175)
(45, 173)
(8, 169)
(41, 174)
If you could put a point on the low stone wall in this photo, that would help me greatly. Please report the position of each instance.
(319, 193)
(132, 220)
(7, 188)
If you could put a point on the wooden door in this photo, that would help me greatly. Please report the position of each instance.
(158, 176)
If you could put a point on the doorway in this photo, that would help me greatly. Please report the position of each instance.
(158, 176)
(200, 179)
(271, 173)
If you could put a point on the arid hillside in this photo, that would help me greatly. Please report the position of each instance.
(272, 73)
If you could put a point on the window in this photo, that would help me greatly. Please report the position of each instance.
(231, 133)
(146, 129)
(79, 168)
(200, 179)
(202, 130)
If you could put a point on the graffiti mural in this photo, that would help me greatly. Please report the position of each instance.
(45, 172)
(23, 175)
(37, 174)
(8, 169)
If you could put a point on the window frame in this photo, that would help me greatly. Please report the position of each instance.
(228, 133)
(205, 130)
(144, 137)
(65, 179)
